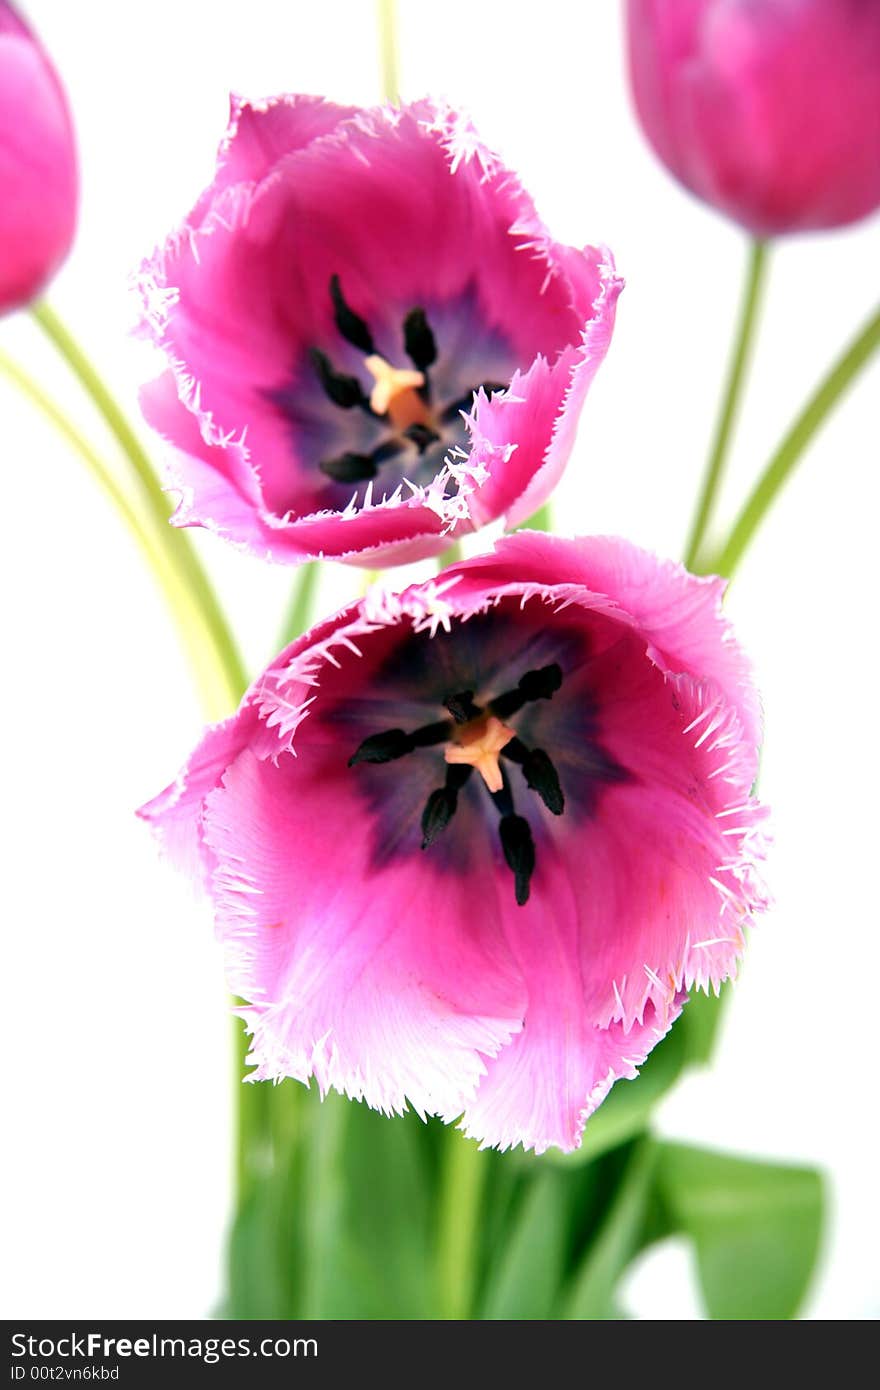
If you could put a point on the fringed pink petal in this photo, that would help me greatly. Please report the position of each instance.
(523, 437)
(375, 983)
(679, 614)
(407, 208)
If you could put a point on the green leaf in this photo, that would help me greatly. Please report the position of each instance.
(541, 520)
(700, 1021)
(625, 1113)
(336, 1222)
(756, 1228)
(388, 1177)
(590, 1294)
(525, 1278)
(366, 1203)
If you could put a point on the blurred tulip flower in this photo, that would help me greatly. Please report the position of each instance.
(769, 110)
(38, 166)
(372, 341)
(469, 846)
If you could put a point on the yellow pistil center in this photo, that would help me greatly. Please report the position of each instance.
(396, 393)
(479, 743)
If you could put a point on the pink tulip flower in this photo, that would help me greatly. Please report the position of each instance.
(469, 846)
(39, 185)
(769, 110)
(372, 341)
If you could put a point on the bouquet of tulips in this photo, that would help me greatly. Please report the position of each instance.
(484, 845)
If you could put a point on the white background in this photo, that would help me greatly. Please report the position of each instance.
(117, 1069)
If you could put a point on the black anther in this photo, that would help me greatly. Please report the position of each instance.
(542, 777)
(383, 748)
(462, 707)
(418, 340)
(534, 685)
(543, 683)
(421, 435)
(344, 391)
(429, 734)
(349, 468)
(466, 402)
(352, 327)
(519, 852)
(442, 803)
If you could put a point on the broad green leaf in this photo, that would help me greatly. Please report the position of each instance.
(265, 1243)
(625, 1113)
(337, 1223)
(527, 1272)
(367, 1203)
(699, 1024)
(756, 1228)
(590, 1293)
(388, 1209)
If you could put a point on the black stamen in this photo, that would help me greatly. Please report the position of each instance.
(344, 391)
(462, 707)
(503, 799)
(534, 685)
(421, 436)
(429, 734)
(418, 340)
(519, 852)
(349, 468)
(442, 803)
(543, 683)
(350, 324)
(383, 748)
(454, 409)
(540, 774)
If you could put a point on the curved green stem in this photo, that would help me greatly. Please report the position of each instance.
(386, 20)
(104, 478)
(298, 616)
(787, 456)
(176, 592)
(461, 1191)
(177, 547)
(755, 276)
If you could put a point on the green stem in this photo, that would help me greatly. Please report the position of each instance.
(461, 1191)
(299, 609)
(541, 520)
(788, 455)
(450, 556)
(178, 548)
(35, 393)
(386, 19)
(755, 275)
(177, 594)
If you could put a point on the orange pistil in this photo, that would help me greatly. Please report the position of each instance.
(479, 743)
(396, 393)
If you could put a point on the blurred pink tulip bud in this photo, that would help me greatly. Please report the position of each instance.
(769, 110)
(38, 167)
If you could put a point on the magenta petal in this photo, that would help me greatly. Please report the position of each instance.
(371, 987)
(679, 613)
(508, 966)
(402, 210)
(523, 438)
(556, 1072)
(38, 167)
(769, 112)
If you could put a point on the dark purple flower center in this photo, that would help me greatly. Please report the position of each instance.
(401, 399)
(477, 738)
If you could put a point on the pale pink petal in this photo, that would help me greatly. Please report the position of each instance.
(374, 983)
